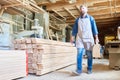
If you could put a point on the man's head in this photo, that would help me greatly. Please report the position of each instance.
(83, 9)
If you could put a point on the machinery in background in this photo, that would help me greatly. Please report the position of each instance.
(113, 48)
(111, 39)
(7, 35)
(36, 32)
(118, 33)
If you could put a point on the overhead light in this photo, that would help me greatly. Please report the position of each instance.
(52, 1)
(71, 1)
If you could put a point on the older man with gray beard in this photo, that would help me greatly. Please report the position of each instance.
(86, 34)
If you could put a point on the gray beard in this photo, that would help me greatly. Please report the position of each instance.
(83, 14)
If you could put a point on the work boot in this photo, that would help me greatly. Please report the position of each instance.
(75, 73)
(89, 71)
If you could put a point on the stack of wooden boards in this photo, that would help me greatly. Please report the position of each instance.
(12, 64)
(46, 55)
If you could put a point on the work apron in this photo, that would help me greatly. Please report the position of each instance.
(84, 37)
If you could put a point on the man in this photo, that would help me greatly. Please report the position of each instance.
(83, 30)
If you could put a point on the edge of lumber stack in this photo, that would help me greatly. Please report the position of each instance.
(46, 55)
(12, 64)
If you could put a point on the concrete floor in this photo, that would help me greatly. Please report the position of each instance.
(101, 71)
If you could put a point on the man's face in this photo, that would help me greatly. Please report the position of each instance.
(83, 10)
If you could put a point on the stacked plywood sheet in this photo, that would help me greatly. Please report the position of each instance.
(12, 64)
(46, 55)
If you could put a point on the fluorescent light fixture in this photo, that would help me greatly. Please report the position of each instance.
(52, 1)
(71, 1)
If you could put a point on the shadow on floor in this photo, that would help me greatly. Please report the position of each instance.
(100, 67)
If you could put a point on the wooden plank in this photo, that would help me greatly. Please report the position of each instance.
(11, 5)
(96, 51)
(69, 12)
(52, 27)
(57, 18)
(51, 42)
(13, 64)
(77, 8)
(59, 5)
(58, 13)
(28, 40)
(44, 71)
(29, 5)
(22, 46)
(1, 12)
(49, 60)
(29, 46)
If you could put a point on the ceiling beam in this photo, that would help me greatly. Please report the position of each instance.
(70, 13)
(77, 8)
(107, 20)
(91, 9)
(58, 6)
(67, 5)
(1, 12)
(58, 13)
(57, 18)
(11, 5)
(94, 12)
(101, 18)
(106, 16)
(102, 3)
(23, 4)
(106, 25)
(106, 3)
(48, 2)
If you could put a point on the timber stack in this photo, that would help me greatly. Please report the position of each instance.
(46, 55)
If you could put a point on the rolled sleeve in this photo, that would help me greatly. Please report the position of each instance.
(94, 27)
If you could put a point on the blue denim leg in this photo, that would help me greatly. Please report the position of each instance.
(89, 60)
(80, 52)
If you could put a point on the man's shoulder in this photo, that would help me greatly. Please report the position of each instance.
(91, 17)
(77, 19)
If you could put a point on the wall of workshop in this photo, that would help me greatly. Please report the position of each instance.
(22, 23)
(19, 23)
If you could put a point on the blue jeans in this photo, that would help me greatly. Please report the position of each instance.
(80, 52)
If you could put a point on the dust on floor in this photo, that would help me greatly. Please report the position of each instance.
(101, 71)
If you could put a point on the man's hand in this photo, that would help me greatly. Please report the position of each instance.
(96, 39)
(72, 39)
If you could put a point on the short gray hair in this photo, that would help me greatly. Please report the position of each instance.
(83, 6)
